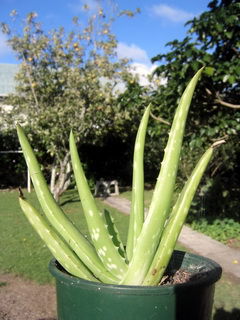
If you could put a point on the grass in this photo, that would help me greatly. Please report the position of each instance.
(147, 196)
(23, 252)
(227, 299)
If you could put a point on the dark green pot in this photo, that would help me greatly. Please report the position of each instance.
(78, 299)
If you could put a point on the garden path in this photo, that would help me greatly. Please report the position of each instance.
(228, 258)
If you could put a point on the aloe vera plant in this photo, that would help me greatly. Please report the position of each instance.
(151, 240)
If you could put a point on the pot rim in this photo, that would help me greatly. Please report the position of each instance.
(211, 272)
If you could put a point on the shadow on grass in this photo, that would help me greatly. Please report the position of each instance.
(64, 202)
(221, 314)
(69, 196)
(69, 200)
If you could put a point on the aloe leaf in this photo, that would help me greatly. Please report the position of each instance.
(107, 251)
(114, 233)
(60, 250)
(176, 221)
(137, 204)
(58, 219)
(163, 192)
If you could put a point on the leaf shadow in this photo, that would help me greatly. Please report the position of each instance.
(221, 314)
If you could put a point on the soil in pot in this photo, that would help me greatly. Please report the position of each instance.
(80, 299)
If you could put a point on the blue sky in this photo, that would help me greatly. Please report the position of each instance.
(140, 38)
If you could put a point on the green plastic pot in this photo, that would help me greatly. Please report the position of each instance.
(78, 299)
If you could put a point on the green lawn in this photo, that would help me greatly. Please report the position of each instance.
(23, 253)
(147, 196)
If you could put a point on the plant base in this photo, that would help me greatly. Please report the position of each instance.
(80, 299)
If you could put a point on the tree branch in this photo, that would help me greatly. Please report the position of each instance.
(236, 51)
(219, 100)
(30, 81)
(159, 119)
(226, 104)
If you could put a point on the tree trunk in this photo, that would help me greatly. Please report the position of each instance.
(60, 177)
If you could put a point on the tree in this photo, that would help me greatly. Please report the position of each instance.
(213, 40)
(67, 81)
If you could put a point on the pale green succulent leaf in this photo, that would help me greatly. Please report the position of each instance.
(114, 233)
(176, 221)
(60, 222)
(102, 241)
(153, 226)
(137, 204)
(60, 250)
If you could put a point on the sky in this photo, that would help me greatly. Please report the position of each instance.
(139, 38)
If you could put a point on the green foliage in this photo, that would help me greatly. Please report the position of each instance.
(67, 80)
(131, 105)
(213, 40)
(219, 229)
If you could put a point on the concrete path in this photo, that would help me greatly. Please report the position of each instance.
(199, 243)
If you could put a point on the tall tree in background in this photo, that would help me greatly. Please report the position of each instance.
(67, 81)
(213, 40)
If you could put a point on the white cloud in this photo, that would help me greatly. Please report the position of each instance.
(4, 48)
(170, 13)
(132, 52)
(141, 66)
(143, 72)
